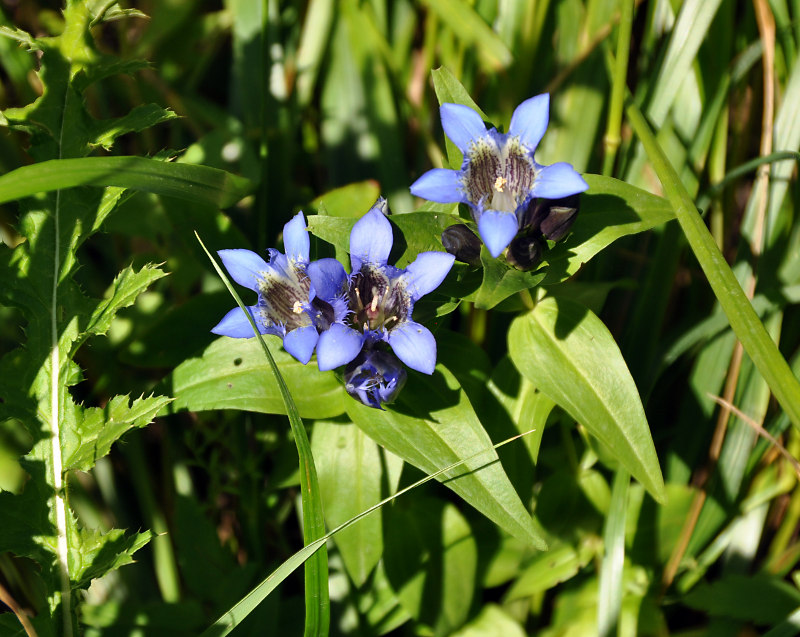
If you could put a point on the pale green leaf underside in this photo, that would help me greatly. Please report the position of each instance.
(234, 374)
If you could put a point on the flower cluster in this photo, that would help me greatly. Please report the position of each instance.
(363, 320)
(499, 178)
(349, 319)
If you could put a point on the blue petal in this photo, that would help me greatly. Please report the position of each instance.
(461, 124)
(370, 239)
(440, 185)
(530, 120)
(414, 345)
(300, 342)
(328, 278)
(427, 272)
(497, 229)
(244, 266)
(295, 239)
(558, 180)
(236, 325)
(337, 346)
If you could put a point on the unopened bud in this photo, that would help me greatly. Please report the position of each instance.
(553, 218)
(462, 243)
(524, 253)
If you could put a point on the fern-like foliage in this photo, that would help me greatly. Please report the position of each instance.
(36, 278)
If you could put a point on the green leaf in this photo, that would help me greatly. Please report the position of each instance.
(745, 322)
(433, 425)
(610, 209)
(350, 473)
(123, 292)
(561, 563)
(469, 27)
(492, 621)
(431, 561)
(761, 598)
(232, 374)
(139, 119)
(201, 184)
(500, 281)
(352, 200)
(101, 427)
(101, 553)
(571, 357)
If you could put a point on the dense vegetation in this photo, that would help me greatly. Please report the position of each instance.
(643, 353)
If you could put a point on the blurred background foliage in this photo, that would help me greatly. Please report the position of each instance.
(325, 104)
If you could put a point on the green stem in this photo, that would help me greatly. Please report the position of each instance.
(612, 138)
(743, 319)
(610, 592)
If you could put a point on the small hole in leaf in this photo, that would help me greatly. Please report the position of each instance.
(237, 361)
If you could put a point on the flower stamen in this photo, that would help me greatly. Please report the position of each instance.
(500, 183)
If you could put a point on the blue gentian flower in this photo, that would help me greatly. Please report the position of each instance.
(302, 303)
(381, 297)
(374, 377)
(499, 176)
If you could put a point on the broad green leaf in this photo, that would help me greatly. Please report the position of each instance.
(433, 425)
(350, 473)
(571, 357)
(492, 621)
(559, 564)
(352, 200)
(431, 559)
(760, 598)
(201, 184)
(233, 374)
(101, 427)
(610, 209)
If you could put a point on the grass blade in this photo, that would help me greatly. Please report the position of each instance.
(225, 624)
(743, 319)
(316, 592)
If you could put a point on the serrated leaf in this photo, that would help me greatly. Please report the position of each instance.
(432, 425)
(101, 427)
(101, 553)
(139, 119)
(571, 357)
(123, 292)
(233, 374)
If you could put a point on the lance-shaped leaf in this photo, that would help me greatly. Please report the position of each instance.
(571, 357)
(433, 425)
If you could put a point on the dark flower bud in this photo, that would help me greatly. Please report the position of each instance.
(524, 252)
(462, 243)
(553, 218)
(374, 377)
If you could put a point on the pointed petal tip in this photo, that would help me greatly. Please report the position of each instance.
(497, 229)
